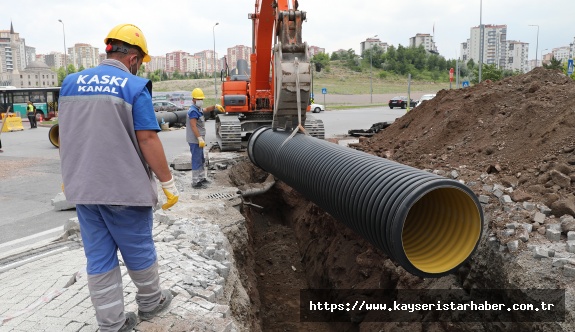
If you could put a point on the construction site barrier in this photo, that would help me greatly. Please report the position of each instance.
(428, 224)
(12, 123)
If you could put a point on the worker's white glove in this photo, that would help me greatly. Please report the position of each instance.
(171, 192)
(201, 142)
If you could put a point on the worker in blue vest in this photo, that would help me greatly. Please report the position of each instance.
(110, 152)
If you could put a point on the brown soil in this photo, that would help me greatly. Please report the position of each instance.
(516, 132)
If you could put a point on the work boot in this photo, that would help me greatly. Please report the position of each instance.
(164, 303)
(131, 321)
(205, 181)
(199, 185)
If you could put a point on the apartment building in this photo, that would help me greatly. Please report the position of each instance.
(562, 53)
(424, 39)
(156, 63)
(12, 51)
(517, 56)
(84, 55)
(370, 43)
(494, 44)
(55, 60)
(235, 53)
(464, 51)
(313, 50)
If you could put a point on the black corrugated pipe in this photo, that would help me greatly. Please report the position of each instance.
(176, 117)
(429, 224)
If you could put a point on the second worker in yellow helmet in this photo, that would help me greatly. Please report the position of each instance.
(195, 135)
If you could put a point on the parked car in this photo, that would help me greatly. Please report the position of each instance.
(162, 105)
(316, 108)
(401, 101)
(424, 98)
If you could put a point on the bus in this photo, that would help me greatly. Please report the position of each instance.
(13, 99)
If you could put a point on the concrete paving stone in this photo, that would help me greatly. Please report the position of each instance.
(553, 235)
(203, 303)
(569, 270)
(180, 311)
(194, 311)
(223, 309)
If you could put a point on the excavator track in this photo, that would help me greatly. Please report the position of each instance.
(229, 132)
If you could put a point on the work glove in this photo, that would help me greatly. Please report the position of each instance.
(62, 187)
(201, 142)
(171, 192)
(220, 108)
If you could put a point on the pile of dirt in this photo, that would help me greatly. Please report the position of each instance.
(518, 130)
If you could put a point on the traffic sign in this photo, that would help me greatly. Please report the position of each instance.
(570, 67)
(465, 84)
(451, 75)
(324, 91)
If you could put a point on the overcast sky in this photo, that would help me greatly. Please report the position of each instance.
(188, 25)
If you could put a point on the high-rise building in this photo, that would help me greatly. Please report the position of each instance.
(156, 63)
(494, 44)
(464, 51)
(55, 60)
(238, 52)
(517, 56)
(12, 51)
(208, 63)
(175, 61)
(84, 55)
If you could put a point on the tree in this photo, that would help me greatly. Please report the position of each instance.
(320, 60)
(553, 64)
(470, 64)
(488, 72)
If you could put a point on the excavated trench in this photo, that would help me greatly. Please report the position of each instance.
(295, 245)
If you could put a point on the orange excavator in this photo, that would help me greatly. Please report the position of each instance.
(276, 90)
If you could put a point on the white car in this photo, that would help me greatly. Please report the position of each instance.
(316, 108)
(424, 97)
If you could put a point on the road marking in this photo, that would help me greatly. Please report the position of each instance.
(30, 237)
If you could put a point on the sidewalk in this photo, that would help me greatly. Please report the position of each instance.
(47, 291)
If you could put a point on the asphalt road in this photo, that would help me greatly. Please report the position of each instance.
(30, 172)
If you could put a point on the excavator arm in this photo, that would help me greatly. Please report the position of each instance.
(279, 86)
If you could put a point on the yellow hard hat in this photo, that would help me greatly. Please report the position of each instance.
(197, 93)
(130, 34)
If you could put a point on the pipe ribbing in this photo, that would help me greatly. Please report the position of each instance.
(172, 117)
(427, 223)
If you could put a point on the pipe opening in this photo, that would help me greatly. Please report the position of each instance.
(441, 230)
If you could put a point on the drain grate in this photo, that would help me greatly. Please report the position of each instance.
(221, 196)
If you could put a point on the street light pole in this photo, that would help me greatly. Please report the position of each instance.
(215, 85)
(481, 36)
(537, 44)
(65, 51)
(371, 73)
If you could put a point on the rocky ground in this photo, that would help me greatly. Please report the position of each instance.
(510, 141)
